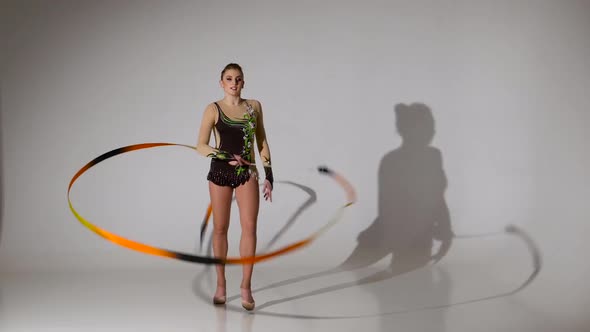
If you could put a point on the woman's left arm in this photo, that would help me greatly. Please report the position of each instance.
(264, 150)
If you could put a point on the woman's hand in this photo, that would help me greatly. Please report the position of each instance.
(267, 190)
(238, 160)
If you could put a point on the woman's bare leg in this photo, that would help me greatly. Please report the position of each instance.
(221, 204)
(248, 198)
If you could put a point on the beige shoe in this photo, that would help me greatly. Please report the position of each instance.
(218, 300)
(247, 305)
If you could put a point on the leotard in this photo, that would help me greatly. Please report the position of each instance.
(233, 137)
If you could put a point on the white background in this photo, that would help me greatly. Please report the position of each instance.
(507, 82)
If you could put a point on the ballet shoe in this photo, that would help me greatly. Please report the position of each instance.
(245, 304)
(248, 305)
(218, 300)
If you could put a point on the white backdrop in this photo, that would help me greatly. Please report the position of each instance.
(507, 85)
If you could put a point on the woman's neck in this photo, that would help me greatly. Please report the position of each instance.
(233, 100)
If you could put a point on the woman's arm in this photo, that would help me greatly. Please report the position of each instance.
(261, 139)
(207, 124)
(262, 143)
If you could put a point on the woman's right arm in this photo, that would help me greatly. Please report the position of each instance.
(207, 124)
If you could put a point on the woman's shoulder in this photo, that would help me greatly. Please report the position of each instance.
(210, 109)
(212, 106)
(213, 103)
(255, 104)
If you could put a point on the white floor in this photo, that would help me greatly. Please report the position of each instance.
(501, 293)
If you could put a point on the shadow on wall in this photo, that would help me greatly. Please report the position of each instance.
(412, 216)
(412, 211)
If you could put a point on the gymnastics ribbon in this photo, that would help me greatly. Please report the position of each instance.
(151, 250)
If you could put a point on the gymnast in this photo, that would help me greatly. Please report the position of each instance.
(236, 123)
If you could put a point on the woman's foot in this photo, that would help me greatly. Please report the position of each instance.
(247, 299)
(219, 297)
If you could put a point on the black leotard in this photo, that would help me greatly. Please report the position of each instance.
(235, 137)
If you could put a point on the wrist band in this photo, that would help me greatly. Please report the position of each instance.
(268, 175)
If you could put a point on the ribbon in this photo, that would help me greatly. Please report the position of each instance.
(152, 250)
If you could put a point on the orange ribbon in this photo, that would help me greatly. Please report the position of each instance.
(151, 250)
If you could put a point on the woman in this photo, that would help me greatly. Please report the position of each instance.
(236, 123)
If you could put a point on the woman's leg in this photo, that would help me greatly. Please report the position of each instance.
(221, 204)
(247, 197)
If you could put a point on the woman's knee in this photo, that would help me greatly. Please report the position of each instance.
(248, 227)
(220, 229)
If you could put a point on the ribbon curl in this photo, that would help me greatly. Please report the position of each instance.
(151, 250)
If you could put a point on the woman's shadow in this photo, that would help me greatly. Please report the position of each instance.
(412, 211)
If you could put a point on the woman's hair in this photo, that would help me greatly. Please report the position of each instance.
(232, 66)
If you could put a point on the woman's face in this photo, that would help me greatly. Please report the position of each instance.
(232, 82)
